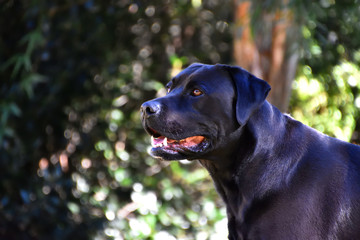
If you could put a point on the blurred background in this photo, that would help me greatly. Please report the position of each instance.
(73, 74)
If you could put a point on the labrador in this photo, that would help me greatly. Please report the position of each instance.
(279, 178)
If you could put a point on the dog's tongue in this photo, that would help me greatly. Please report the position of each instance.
(191, 141)
(157, 141)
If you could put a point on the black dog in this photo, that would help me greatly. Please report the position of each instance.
(279, 178)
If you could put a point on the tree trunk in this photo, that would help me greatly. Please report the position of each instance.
(268, 48)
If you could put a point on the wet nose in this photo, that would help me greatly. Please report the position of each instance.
(150, 108)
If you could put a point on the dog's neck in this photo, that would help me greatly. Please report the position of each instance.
(244, 174)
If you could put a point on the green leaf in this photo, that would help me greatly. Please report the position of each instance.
(27, 84)
(14, 109)
(34, 39)
(10, 61)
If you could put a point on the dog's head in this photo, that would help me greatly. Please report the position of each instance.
(204, 105)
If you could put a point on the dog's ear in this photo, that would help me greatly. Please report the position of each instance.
(251, 92)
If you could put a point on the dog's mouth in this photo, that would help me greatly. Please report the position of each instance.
(172, 149)
(190, 143)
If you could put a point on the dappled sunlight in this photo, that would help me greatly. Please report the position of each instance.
(335, 116)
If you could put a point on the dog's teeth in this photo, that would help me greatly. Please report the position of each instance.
(165, 142)
(152, 142)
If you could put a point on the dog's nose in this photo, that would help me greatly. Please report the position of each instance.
(150, 108)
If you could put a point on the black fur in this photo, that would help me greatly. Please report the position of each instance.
(279, 179)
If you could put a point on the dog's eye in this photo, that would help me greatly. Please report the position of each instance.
(168, 89)
(196, 92)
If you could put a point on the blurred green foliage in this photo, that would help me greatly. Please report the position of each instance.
(326, 92)
(74, 161)
(334, 114)
(73, 154)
